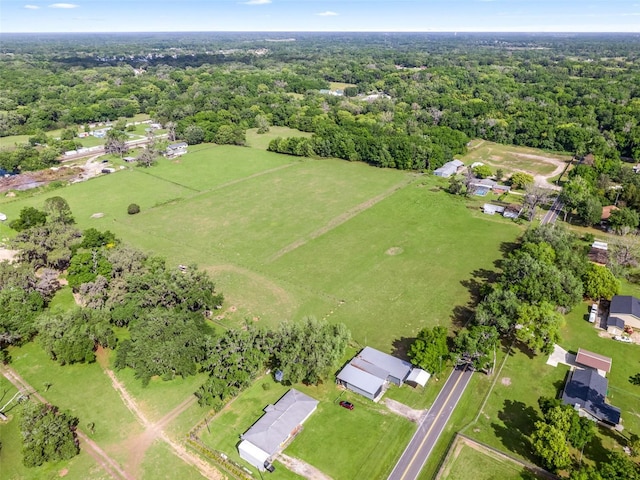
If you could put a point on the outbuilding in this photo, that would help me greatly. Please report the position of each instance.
(418, 377)
(369, 372)
(271, 433)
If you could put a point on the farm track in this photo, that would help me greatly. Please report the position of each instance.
(100, 456)
(342, 218)
(140, 444)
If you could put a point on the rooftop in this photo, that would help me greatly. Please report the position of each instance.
(280, 419)
(625, 304)
(587, 389)
(392, 365)
(593, 360)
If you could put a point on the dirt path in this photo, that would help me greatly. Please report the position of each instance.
(403, 410)
(138, 446)
(302, 468)
(342, 218)
(100, 456)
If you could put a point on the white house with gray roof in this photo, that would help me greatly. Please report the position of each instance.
(280, 423)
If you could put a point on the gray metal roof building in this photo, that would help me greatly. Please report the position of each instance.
(360, 381)
(397, 370)
(625, 304)
(368, 372)
(281, 421)
(587, 390)
(448, 169)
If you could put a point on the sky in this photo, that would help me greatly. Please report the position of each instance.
(326, 15)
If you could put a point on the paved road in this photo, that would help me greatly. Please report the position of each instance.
(552, 214)
(417, 452)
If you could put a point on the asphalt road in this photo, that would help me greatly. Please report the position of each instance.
(552, 214)
(417, 452)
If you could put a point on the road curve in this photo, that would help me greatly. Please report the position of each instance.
(417, 452)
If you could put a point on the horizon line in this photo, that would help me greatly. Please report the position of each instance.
(332, 31)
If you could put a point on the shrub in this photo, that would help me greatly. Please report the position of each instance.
(133, 209)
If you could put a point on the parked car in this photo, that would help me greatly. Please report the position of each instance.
(622, 338)
(347, 405)
(268, 466)
(593, 313)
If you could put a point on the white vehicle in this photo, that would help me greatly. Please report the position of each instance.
(593, 313)
(622, 338)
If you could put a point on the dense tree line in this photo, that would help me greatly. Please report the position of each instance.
(574, 95)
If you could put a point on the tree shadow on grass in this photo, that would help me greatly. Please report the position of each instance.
(519, 420)
(461, 315)
(401, 347)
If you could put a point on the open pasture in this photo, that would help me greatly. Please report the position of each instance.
(465, 462)
(387, 252)
(511, 158)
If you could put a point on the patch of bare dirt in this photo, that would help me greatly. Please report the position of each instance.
(27, 180)
(394, 251)
(506, 381)
(63, 472)
(302, 468)
(403, 410)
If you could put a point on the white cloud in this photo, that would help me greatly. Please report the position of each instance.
(328, 13)
(63, 5)
(32, 7)
(257, 2)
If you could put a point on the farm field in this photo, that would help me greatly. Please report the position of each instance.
(466, 462)
(284, 237)
(262, 140)
(511, 158)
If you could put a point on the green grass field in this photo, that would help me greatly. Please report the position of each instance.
(261, 140)
(362, 443)
(511, 158)
(467, 463)
(284, 237)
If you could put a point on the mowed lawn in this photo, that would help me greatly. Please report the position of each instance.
(384, 251)
(344, 444)
(467, 463)
(512, 408)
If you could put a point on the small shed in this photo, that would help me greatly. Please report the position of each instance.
(594, 360)
(615, 326)
(418, 377)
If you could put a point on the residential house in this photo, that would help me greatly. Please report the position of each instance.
(176, 149)
(626, 308)
(276, 428)
(369, 373)
(586, 391)
(491, 209)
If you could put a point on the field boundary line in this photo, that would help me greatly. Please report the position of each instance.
(342, 218)
(489, 450)
(495, 380)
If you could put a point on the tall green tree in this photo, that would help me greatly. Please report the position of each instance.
(48, 435)
(429, 350)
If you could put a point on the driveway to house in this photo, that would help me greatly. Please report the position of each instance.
(560, 355)
(417, 452)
